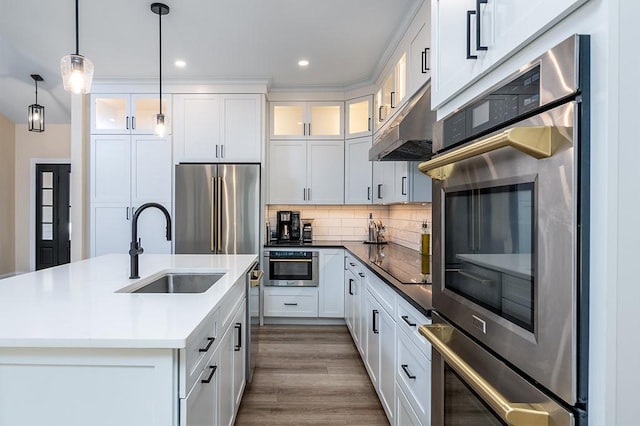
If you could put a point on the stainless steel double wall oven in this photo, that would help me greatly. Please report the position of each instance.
(510, 212)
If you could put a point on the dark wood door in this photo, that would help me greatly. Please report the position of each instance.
(53, 245)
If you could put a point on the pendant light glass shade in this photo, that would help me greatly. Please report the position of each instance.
(36, 112)
(160, 129)
(77, 73)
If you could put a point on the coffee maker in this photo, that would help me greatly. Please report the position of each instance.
(288, 225)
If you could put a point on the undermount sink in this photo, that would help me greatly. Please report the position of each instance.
(180, 283)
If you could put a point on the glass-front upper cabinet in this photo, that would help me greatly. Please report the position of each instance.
(127, 113)
(358, 117)
(307, 120)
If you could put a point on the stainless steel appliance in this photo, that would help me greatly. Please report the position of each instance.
(511, 196)
(217, 208)
(291, 268)
(307, 230)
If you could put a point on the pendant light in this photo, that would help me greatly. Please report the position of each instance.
(36, 112)
(160, 9)
(77, 71)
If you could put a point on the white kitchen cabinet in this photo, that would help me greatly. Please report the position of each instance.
(358, 172)
(124, 113)
(411, 185)
(359, 117)
(239, 328)
(200, 407)
(218, 127)
(126, 172)
(384, 182)
(391, 91)
(308, 120)
(419, 67)
(405, 416)
(330, 288)
(301, 302)
(306, 172)
(505, 26)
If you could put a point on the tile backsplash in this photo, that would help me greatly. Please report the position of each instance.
(403, 222)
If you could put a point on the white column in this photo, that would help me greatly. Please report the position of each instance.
(79, 177)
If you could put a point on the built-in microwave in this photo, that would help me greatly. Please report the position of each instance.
(291, 268)
(510, 222)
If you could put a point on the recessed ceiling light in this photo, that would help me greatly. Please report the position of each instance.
(303, 62)
(180, 64)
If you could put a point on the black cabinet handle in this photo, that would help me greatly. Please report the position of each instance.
(309, 128)
(222, 151)
(290, 304)
(361, 274)
(133, 122)
(393, 98)
(380, 191)
(127, 125)
(405, 367)
(127, 213)
(238, 327)
(352, 264)
(375, 325)
(304, 129)
(405, 318)
(206, 348)
(380, 113)
(350, 286)
(403, 184)
(479, 45)
(469, 14)
(369, 190)
(213, 371)
(425, 65)
(369, 124)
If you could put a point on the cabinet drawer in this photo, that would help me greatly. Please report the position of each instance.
(413, 375)
(404, 412)
(284, 302)
(196, 408)
(382, 292)
(199, 348)
(408, 319)
(354, 266)
(230, 303)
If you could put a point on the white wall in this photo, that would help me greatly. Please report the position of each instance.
(53, 143)
(7, 196)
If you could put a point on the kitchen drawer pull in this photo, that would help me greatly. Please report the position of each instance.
(403, 185)
(352, 264)
(213, 371)
(374, 326)
(479, 45)
(469, 55)
(290, 304)
(405, 318)
(405, 367)
(361, 274)
(238, 327)
(206, 348)
(350, 286)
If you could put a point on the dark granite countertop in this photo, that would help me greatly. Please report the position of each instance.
(400, 267)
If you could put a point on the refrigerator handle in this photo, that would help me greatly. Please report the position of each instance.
(213, 214)
(219, 215)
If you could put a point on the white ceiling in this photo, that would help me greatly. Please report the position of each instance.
(344, 41)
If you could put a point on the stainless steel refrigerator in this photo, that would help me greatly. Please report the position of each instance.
(217, 208)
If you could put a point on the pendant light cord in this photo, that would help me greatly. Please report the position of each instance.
(36, 92)
(77, 31)
(160, 44)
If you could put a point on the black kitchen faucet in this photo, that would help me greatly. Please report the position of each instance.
(135, 249)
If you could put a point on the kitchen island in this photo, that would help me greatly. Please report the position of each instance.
(75, 351)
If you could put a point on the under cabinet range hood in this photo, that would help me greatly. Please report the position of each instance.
(408, 136)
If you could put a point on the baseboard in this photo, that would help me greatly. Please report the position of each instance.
(303, 321)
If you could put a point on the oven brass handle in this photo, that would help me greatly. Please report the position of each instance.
(511, 413)
(256, 276)
(538, 142)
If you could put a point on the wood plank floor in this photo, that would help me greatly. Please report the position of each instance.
(309, 375)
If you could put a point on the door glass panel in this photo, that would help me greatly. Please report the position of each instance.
(47, 231)
(489, 249)
(325, 120)
(47, 214)
(462, 407)
(359, 117)
(288, 120)
(47, 179)
(47, 197)
(110, 113)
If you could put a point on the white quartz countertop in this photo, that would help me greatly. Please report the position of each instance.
(76, 305)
